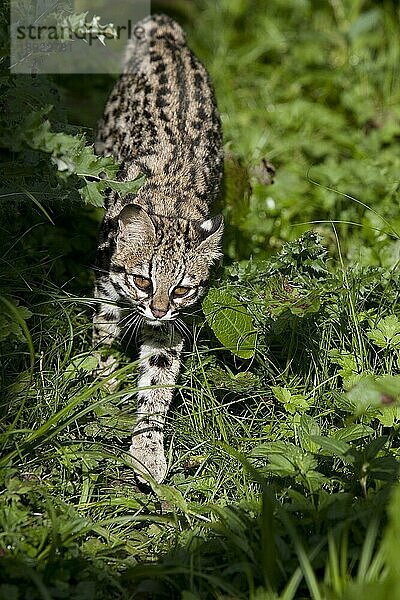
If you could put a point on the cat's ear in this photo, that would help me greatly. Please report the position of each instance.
(134, 222)
(210, 234)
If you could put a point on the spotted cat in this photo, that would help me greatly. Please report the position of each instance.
(157, 246)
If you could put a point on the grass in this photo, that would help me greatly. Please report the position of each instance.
(283, 467)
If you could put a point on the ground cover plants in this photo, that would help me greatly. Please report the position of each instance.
(283, 439)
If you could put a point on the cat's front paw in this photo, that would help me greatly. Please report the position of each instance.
(147, 451)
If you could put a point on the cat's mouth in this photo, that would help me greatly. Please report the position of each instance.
(171, 321)
(156, 320)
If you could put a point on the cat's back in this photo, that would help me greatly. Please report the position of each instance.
(162, 119)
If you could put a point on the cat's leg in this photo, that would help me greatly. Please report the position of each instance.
(105, 331)
(159, 368)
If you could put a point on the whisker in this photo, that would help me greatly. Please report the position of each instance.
(127, 318)
(185, 327)
(130, 322)
(184, 331)
(136, 328)
(130, 337)
(133, 328)
(179, 330)
(130, 313)
(134, 321)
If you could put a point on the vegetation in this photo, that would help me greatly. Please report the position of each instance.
(283, 439)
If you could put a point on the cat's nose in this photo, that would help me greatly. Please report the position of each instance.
(158, 312)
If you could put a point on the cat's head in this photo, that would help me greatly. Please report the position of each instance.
(161, 265)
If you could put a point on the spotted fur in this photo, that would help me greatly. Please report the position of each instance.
(157, 246)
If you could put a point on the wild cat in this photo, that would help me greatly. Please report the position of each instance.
(157, 246)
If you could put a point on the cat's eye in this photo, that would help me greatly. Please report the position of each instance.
(142, 283)
(181, 291)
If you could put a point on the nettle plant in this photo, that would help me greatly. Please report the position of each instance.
(323, 347)
(73, 157)
(297, 298)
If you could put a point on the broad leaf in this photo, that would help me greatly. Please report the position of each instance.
(352, 432)
(330, 446)
(231, 322)
(386, 333)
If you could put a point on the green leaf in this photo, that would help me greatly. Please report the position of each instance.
(173, 496)
(377, 337)
(386, 333)
(330, 446)
(372, 450)
(314, 480)
(299, 501)
(91, 194)
(282, 394)
(285, 459)
(348, 364)
(10, 321)
(384, 468)
(125, 187)
(279, 455)
(308, 427)
(69, 152)
(280, 465)
(371, 393)
(292, 402)
(306, 255)
(231, 322)
(87, 164)
(389, 415)
(83, 362)
(72, 156)
(352, 432)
